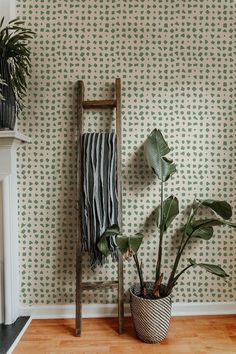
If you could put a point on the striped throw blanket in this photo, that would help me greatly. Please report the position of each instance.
(99, 192)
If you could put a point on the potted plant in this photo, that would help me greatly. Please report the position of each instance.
(14, 69)
(151, 300)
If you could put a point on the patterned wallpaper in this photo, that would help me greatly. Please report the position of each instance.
(175, 59)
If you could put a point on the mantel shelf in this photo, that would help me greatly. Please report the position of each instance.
(16, 135)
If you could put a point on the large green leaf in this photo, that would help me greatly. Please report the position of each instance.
(203, 228)
(205, 233)
(196, 224)
(221, 208)
(122, 243)
(212, 268)
(170, 211)
(102, 244)
(129, 243)
(135, 242)
(125, 244)
(156, 149)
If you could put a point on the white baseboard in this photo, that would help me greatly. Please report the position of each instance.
(68, 311)
(110, 310)
(203, 308)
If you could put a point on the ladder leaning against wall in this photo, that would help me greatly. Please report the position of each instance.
(80, 286)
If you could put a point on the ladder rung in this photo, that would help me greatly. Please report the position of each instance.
(99, 284)
(99, 104)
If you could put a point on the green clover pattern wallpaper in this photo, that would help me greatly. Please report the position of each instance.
(175, 60)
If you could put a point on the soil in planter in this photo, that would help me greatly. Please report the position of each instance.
(149, 295)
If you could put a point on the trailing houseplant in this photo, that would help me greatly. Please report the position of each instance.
(1, 83)
(14, 69)
(151, 301)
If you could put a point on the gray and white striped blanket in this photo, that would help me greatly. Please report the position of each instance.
(99, 192)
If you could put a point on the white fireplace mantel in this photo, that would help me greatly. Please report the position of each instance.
(9, 270)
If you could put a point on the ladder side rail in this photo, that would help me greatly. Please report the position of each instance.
(78, 300)
(119, 192)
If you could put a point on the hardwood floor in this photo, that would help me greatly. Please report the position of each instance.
(187, 335)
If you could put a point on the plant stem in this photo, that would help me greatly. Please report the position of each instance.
(173, 282)
(182, 246)
(158, 266)
(177, 259)
(182, 271)
(140, 273)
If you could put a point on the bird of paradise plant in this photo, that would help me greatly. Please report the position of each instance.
(194, 228)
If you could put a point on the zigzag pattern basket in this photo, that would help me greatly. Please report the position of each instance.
(151, 317)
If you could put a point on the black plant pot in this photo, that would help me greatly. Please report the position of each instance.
(8, 106)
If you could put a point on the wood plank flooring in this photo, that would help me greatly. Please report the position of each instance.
(187, 335)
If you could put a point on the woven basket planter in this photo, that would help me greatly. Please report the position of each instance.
(151, 317)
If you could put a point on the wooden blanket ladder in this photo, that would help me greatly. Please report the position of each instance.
(80, 286)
